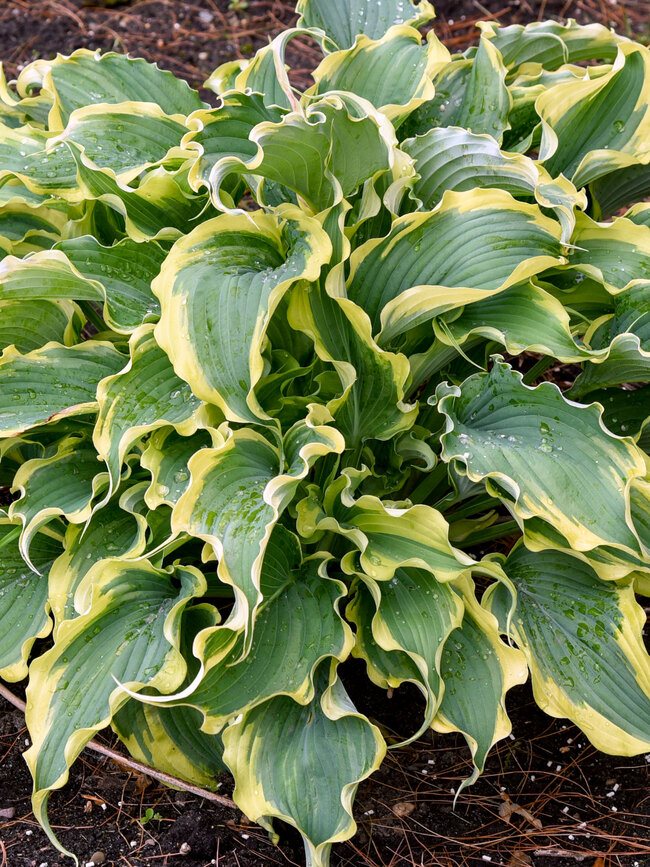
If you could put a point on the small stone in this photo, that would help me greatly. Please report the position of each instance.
(98, 857)
(185, 849)
(205, 16)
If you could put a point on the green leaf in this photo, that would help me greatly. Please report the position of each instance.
(552, 44)
(415, 615)
(116, 531)
(24, 155)
(170, 739)
(451, 158)
(167, 456)
(28, 325)
(473, 244)
(343, 20)
(124, 271)
(373, 381)
(236, 495)
(545, 456)
(614, 253)
(45, 276)
(64, 482)
(264, 78)
(626, 413)
(126, 139)
(600, 124)
(323, 153)
(159, 208)
(477, 670)
(128, 635)
(303, 763)
(239, 266)
(521, 318)
(387, 537)
(470, 93)
(393, 73)
(86, 77)
(52, 382)
(224, 132)
(23, 598)
(147, 394)
(285, 650)
(582, 638)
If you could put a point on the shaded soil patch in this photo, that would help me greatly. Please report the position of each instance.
(546, 799)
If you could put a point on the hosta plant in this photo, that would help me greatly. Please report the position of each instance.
(273, 395)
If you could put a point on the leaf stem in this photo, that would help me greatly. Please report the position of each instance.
(429, 483)
(542, 365)
(489, 534)
(93, 316)
(476, 504)
(13, 534)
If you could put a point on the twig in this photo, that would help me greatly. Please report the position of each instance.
(136, 766)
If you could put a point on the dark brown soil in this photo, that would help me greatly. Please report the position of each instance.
(577, 805)
(191, 37)
(547, 798)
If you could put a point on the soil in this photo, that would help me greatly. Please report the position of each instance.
(547, 797)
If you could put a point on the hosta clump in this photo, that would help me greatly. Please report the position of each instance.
(260, 400)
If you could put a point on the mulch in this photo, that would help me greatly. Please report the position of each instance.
(546, 799)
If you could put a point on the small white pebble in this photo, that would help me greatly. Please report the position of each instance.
(503, 788)
(424, 771)
(203, 55)
(532, 776)
(185, 849)
(647, 758)
(610, 794)
(369, 813)
(571, 837)
(616, 787)
(565, 809)
(120, 803)
(548, 764)
(486, 857)
(90, 864)
(512, 737)
(245, 836)
(569, 740)
(103, 806)
(132, 844)
(205, 16)
(176, 25)
(431, 761)
(29, 832)
(563, 728)
(43, 864)
(614, 809)
(582, 825)
(453, 791)
(558, 768)
(26, 742)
